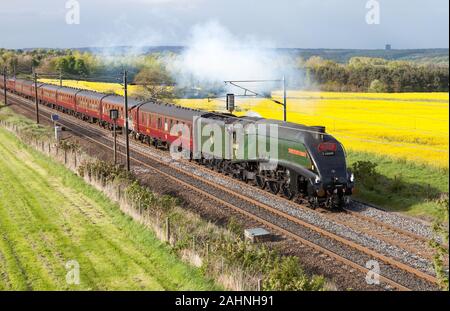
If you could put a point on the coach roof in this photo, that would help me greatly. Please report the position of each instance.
(169, 110)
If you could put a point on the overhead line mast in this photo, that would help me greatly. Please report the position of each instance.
(249, 92)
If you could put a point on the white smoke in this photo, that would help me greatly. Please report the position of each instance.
(213, 55)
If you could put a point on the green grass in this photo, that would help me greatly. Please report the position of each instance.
(401, 185)
(49, 216)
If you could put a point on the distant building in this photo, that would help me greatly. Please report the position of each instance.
(388, 47)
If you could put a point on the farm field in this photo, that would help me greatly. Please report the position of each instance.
(103, 87)
(49, 216)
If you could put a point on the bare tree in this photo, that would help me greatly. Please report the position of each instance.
(156, 82)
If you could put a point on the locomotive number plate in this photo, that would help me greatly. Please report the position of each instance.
(328, 153)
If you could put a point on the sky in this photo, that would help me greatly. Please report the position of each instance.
(406, 24)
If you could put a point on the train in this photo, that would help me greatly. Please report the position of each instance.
(310, 164)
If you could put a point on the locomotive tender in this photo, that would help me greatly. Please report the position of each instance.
(310, 164)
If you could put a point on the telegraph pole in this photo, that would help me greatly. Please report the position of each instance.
(127, 138)
(60, 77)
(36, 97)
(114, 115)
(115, 142)
(4, 86)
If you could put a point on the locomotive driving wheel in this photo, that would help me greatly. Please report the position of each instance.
(274, 187)
(287, 192)
(260, 181)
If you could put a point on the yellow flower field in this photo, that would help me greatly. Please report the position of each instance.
(411, 126)
(102, 87)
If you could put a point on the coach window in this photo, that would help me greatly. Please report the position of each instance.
(159, 123)
(166, 125)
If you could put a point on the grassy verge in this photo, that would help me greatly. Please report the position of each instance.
(221, 253)
(400, 185)
(49, 216)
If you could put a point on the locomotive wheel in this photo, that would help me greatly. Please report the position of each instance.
(287, 191)
(218, 166)
(243, 176)
(274, 187)
(260, 182)
(314, 203)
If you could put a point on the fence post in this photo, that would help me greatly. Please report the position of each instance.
(168, 229)
(65, 156)
(259, 284)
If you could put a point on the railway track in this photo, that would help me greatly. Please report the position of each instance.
(396, 274)
(402, 238)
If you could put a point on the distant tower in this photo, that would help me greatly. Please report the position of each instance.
(388, 47)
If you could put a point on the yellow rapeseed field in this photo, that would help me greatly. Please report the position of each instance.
(103, 87)
(411, 126)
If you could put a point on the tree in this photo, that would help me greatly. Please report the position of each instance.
(156, 82)
(80, 67)
(376, 86)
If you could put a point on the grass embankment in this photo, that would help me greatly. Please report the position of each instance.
(400, 185)
(49, 216)
(222, 253)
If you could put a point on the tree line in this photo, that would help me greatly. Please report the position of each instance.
(359, 74)
(362, 74)
(48, 61)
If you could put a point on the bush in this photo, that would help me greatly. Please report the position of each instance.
(440, 230)
(365, 172)
(287, 275)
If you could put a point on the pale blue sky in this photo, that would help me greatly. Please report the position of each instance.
(281, 23)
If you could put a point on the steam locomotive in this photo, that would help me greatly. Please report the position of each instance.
(310, 164)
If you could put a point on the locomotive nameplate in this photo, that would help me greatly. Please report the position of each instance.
(297, 152)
